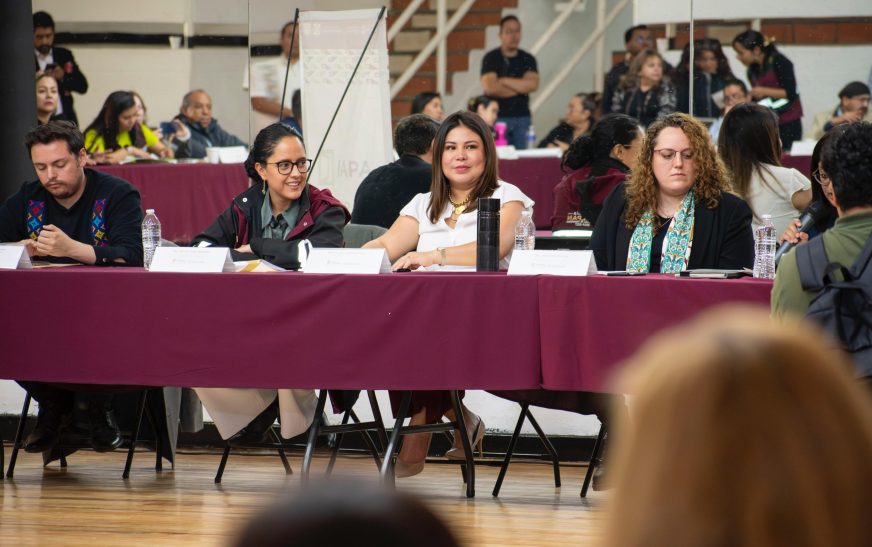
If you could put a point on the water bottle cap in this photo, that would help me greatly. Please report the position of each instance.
(149, 211)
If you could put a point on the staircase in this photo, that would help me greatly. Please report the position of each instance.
(469, 34)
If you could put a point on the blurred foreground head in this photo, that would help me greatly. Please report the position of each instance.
(743, 433)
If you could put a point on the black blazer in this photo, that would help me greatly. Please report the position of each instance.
(722, 237)
(73, 80)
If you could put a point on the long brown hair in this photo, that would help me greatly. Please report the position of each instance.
(710, 177)
(439, 185)
(749, 138)
(631, 78)
(744, 432)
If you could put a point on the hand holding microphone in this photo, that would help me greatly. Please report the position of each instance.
(793, 235)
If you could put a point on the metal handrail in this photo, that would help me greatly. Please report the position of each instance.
(428, 49)
(403, 19)
(564, 73)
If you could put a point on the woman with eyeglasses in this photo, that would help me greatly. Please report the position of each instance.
(751, 150)
(268, 221)
(675, 211)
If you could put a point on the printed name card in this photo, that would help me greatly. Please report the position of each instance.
(192, 260)
(14, 257)
(348, 261)
(552, 262)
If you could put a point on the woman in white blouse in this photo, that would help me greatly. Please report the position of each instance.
(437, 230)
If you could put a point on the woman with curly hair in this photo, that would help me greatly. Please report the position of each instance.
(675, 212)
(644, 93)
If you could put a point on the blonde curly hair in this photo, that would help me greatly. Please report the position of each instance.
(710, 174)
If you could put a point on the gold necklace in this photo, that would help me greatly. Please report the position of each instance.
(458, 207)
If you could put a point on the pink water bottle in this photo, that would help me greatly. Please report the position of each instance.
(500, 128)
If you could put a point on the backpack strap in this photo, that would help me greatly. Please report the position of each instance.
(863, 259)
(812, 263)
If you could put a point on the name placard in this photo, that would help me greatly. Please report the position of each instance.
(348, 261)
(14, 256)
(192, 260)
(534, 262)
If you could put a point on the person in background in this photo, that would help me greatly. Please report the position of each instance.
(636, 39)
(577, 121)
(510, 74)
(742, 432)
(196, 115)
(47, 99)
(437, 230)
(643, 93)
(751, 150)
(178, 140)
(735, 93)
(772, 77)
(268, 221)
(675, 212)
(853, 107)
(297, 104)
(487, 109)
(710, 72)
(59, 63)
(387, 189)
(114, 134)
(599, 162)
(72, 214)
(428, 103)
(268, 82)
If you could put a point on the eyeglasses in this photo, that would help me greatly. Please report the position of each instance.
(285, 167)
(668, 154)
(821, 178)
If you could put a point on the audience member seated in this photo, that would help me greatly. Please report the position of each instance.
(821, 193)
(71, 215)
(735, 93)
(268, 221)
(636, 40)
(196, 115)
(772, 77)
(675, 212)
(599, 162)
(488, 109)
(428, 103)
(853, 107)
(178, 140)
(47, 99)
(644, 93)
(751, 150)
(846, 162)
(57, 62)
(387, 189)
(742, 432)
(711, 70)
(114, 134)
(577, 121)
(345, 514)
(438, 230)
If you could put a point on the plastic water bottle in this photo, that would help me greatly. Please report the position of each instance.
(150, 237)
(764, 249)
(531, 138)
(525, 232)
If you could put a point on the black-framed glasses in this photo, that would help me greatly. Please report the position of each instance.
(668, 154)
(821, 178)
(285, 167)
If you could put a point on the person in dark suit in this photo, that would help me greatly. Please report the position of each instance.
(387, 189)
(58, 62)
(675, 212)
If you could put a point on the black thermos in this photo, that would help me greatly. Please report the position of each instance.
(487, 251)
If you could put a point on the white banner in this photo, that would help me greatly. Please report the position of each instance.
(360, 140)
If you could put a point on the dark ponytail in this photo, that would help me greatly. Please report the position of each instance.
(611, 130)
(264, 144)
(751, 39)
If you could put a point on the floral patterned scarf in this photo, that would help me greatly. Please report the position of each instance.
(678, 238)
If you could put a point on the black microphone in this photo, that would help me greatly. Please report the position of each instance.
(808, 218)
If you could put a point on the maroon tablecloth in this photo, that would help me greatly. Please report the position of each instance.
(186, 197)
(589, 325)
(800, 163)
(536, 177)
(129, 326)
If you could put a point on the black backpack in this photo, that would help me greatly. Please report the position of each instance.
(843, 308)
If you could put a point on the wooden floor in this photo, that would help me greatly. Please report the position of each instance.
(89, 504)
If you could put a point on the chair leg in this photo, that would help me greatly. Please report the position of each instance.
(467, 448)
(510, 450)
(367, 440)
(377, 418)
(555, 460)
(223, 463)
(134, 436)
(158, 442)
(387, 466)
(334, 450)
(594, 460)
(281, 449)
(19, 436)
(313, 437)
